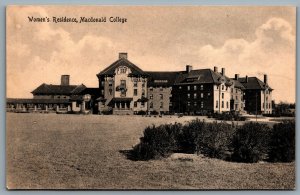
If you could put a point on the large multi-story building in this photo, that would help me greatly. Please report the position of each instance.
(258, 95)
(124, 88)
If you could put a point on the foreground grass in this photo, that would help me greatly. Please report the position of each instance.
(74, 151)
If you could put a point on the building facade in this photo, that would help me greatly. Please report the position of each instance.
(124, 88)
(258, 95)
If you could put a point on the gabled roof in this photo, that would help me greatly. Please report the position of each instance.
(237, 84)
(110, 70)
(47, 89)
(200, 76)
(253, 83)
(163, 79)
(92, 91)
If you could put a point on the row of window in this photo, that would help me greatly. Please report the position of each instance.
(195, 104)
(222, 104)
(268, 105)
(194, 87)
(195, 95)
(160, 106)
(161, 96)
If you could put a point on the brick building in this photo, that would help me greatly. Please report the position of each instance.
(258, 95)
(124, 88)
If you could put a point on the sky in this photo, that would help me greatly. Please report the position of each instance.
(250, 41)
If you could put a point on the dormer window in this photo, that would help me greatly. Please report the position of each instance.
(123, 70)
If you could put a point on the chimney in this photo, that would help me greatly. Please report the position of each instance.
(65, 80)
(215, 69)
(123, 55)
(223, 71)
(265, 79)
(246, 79)
(189, 68)
(237, 76)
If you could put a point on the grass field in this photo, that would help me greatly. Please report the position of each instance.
(50, 151)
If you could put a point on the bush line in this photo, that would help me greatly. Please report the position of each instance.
(248, 143)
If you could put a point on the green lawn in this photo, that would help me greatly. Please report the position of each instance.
(75, 151)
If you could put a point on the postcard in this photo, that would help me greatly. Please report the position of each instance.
(150, 97)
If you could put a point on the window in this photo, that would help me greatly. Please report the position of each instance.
(188, 96)
(222, 95)
(195, 87)
(222, 87)
(143, 84)
(102, 83)
(135, 83)
(123, 83)
(135, 92)
(202, 104)
(195, 103)
(123, 88)
(217, 87)
(236, 90)
(135, 104)
(123, 70)
(161, 104)
(217, 104)
(201, 95)
(161, 96)
(151, 104)
(188, 103)
(142, 104)
(231, 90)
(227, 105)
(143, 93)
(195, 95)
(188, 87)
(201, 87)
(151, 89)
(151, 96)
(110, 83)
(222, 104)
(110, 91)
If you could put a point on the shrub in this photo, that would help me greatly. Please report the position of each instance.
(154, 112)
(188, 138)
(228, 116)
(107, 112)
(282, 143)
(157, 142)
(141, 112)
(250, 142)
(215, 140)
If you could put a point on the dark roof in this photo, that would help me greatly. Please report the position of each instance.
(94, 92)
(200, 76)
(58, 89)
(110, 70)
(164, 79)
(88, 90)
(36, 101)
(253, 83)
(237, 84)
